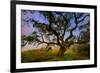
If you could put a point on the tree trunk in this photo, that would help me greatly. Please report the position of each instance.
(61, 51)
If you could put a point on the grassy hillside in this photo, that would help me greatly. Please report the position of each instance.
(42, 55)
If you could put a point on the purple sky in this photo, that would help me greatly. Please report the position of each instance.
(27, 27)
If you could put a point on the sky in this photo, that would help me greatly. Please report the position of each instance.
(27, 26)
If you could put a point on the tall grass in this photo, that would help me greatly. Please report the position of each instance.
(42, 55)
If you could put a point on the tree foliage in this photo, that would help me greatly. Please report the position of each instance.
(58, 29)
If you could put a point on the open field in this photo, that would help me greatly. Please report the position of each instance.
(42, 55)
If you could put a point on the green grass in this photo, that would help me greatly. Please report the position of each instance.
(42, 55)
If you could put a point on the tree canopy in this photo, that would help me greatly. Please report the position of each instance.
(56, 28)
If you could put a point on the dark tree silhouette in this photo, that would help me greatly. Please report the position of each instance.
(55, 31)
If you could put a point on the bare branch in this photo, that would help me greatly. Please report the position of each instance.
(83, 18)
(42, 36)
(41, 42)
(65, 26)
(71, 31)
